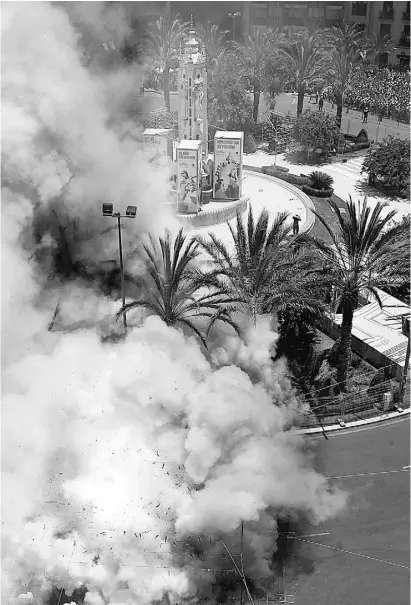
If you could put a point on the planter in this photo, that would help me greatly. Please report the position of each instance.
(206, 196)
(322, 193)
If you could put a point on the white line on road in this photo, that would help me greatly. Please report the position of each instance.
(326, 533)
(365, 474)
(348, 552)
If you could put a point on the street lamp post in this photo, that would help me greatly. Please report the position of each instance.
(234, 16)
(131, 211)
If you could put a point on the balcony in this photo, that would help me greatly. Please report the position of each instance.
(406, 16)
(359, 9)
(387, 15)
(404, 41)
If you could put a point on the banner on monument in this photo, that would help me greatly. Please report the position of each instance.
(188, 176)
(157, 144)
(228, 165)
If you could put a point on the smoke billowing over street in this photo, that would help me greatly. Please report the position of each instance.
(126, 466)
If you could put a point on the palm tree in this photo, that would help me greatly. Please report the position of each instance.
(343, 58)
(374, 46)
(172, 289)
(267, 273)
(214, 41)
(367, 252)
(305, 54)
(253, 56)
(165, 38)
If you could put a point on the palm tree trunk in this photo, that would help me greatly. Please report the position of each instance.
(166, 86)
(300, 101)
(256, 103)
(344, 358)
(339, 101)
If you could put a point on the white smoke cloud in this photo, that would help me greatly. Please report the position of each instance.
(124, 466)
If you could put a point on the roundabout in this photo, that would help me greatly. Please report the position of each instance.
(261, 192)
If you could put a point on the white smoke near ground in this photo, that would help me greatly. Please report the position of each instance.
(125, 467)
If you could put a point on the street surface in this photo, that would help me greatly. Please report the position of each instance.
(376, 523)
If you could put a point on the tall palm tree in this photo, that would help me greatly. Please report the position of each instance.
(343, 58)
(253, 56)
(172, 290)
(266, 274)
(165, 38)
(367, 252)
(306, 56)
(373, 47)
(215, 43)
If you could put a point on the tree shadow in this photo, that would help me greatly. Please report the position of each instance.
(376, 191)
(301, 158)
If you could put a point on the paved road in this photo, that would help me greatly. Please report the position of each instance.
(351, 123)
(375, 524)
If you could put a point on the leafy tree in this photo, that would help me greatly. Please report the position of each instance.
(267, 273)
(305, 55)
(171, 288)
(253, 57)
(317, 130)
(343, 56)
(228, 103)
(366, 253)
(165, 38)
(390, 163)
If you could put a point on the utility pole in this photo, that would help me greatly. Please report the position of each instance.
(131, 212)
(406, 365)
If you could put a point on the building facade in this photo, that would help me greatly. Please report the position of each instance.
(379, 18)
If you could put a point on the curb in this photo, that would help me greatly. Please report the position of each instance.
(356, 423)
(309, 206)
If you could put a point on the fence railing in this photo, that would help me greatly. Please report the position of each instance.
(360, 405)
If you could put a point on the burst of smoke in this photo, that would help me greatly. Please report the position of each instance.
(125, 467)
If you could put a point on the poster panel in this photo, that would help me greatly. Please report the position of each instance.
(188, 194)
(227, 168)
(156, 149)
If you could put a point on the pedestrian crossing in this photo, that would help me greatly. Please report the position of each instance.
(350, 168)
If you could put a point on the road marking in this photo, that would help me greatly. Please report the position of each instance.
(373, 473)
(349, 552)
(326, 533)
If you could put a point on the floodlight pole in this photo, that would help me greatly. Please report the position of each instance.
(120, 246)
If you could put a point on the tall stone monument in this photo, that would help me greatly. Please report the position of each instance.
(192, 115)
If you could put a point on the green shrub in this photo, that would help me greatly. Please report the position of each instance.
(288, 177)
(390, 163)
(317, 192)
(320, 180)
(249, 145)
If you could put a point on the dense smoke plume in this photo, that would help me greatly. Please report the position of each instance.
(126, 467)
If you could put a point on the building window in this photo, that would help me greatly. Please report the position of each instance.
(260, 10)
(385, 30)
(359, 9)
(387, 10)
(383, 59)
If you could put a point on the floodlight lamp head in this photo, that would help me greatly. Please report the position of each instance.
(131, 211)
(107, 209)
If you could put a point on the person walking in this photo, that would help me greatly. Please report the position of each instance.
(296, 226)
(142, 89)
(320, 104)
(365, 113)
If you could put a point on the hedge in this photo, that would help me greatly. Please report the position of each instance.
(288, 177)
(317, 192)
